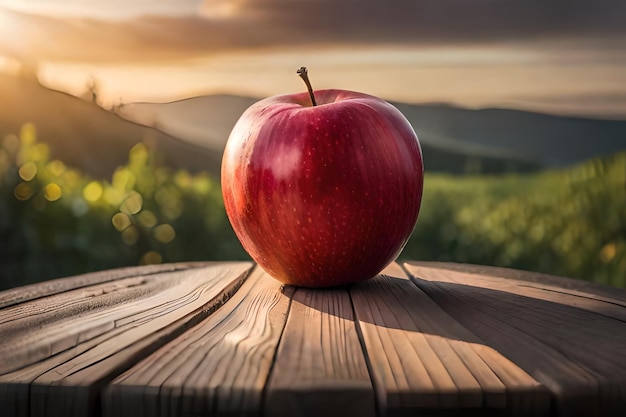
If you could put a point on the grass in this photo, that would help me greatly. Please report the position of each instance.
(569, 222)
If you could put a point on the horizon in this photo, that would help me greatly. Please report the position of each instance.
(566, 60)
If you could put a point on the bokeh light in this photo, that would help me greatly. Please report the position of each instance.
(52, 192)
(130, 235)
(93, 191)
(28, 171)
(147, 219)
(121, 221)
(56, 168)
(164, 233)
(24, 191)
(132, 203)
(151, 257)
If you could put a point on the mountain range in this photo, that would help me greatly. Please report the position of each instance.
(192, 133)
(453, 139)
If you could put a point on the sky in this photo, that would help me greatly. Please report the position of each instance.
(555, 56)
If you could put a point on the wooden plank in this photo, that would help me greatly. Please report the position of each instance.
(319, 367)
(56, 286)
(519, 278)
(219, 367)
(423, 360)
(546, 336)
(609, 303)
(59, 350)
(563, 312)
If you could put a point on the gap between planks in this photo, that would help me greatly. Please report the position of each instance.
(219, 367)
(552, 334)
(423, 359)
(416, 356)
(337, 349)
(68, 381)
(408, 353)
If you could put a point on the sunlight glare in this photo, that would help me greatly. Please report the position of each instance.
(9, 65)
(220, 9)
(112, 9)
(69, 77)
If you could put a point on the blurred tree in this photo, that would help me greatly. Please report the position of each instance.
(55, 221)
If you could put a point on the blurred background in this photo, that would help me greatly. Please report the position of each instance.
(114, 115)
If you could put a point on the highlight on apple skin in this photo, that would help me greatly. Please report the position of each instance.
(326, 194)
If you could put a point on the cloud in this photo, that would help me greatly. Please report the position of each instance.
(109, 9)
(31, 38)
(222, 25)
(429, 20)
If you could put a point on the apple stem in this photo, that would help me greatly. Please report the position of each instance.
(304, 74)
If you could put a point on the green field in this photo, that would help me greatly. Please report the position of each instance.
(56, 221)
(570, 222)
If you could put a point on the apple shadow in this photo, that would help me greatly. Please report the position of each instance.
(573, 346)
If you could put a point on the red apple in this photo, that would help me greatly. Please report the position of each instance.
(325, 194)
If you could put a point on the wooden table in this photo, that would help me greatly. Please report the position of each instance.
(226, 339)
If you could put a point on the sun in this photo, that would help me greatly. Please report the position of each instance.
(221, 9)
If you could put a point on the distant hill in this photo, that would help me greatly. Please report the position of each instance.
(453, 139)
(87, 136)
(205, 120)
(554, 141)
(192, 133)
(208, 120)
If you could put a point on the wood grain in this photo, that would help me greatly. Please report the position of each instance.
(226, 339)
(577, 287)
(589, 296)
(424, 360)
(320, 368)
(59, 350)
(552, 335)
(55, 286)
(219, 367)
